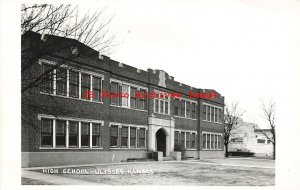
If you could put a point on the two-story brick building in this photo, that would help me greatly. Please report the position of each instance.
(66, 121)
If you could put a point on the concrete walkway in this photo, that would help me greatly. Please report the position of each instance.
(54, 179)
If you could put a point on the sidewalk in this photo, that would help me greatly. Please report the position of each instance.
(55, 179)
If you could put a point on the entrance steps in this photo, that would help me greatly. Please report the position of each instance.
(168, 158)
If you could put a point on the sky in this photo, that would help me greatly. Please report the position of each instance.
(245, 50)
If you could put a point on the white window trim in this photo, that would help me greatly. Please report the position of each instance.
(164, 104)
(67, 119)
(206, 144)
(120, 125)
(185, 132)
(210, 107)
(80, 71)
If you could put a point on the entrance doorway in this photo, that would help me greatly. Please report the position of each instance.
(161, 141)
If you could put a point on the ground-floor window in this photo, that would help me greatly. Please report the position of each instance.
(184, 140)
(211, 141)
(64, 133)
(127, 137)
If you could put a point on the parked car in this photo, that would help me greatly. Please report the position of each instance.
(241, 152)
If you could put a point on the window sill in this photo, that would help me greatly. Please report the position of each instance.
(185, 117)
(117, 148)
(72, 148)
(162, 113)
(211, 149)
(212, 122)
(68, 97)
(128, 108)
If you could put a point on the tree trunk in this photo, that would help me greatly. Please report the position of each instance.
(226, 150)
(274, 152)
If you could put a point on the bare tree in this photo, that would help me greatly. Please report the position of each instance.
(48, 31)
(231, 116)
(61, 21)
(269, 116)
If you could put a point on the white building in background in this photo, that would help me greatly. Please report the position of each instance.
(245, 137)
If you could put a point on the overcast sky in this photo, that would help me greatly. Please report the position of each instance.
(242, 49)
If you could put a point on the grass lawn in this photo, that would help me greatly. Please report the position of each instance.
(181, 173)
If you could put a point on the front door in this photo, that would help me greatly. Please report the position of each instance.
(161, 141)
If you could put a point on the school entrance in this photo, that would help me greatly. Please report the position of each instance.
(161, 141)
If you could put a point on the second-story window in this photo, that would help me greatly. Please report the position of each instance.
(74, 84)
(162, 104)
(85, 86)
(61, 81)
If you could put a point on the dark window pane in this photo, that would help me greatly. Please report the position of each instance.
(204, 141)
(73, 134)
(61, 81)
(182, 137)
(96, 88)
(124, 137)
(114, 89)
(85, 134)
(46, 132)
(47, 84)
(73, 84)
(182, 111)
(85, 86)
(60, 132)
(113, 136)
(96, 135)
(132, 137)
(156, 105)
(166, 107)
(142, 138)
(133, 99)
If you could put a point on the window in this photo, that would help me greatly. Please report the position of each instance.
(166, 107)
(188, 111)
(85, 134)
(96, 141)
(182, 137)
(220, 116)
(193, 140)
(176, 107)
(212, 141)
(208, 141)
(205, 113)
(114, 136)
(61, 81)
(96, 92)
(182, 111)
(142, 138)
(73, 84)
(133, 99)
(161, 110)
(261, 141)
(156, 102)
(161, 104)
(177, 138)
(142, 101)
(187, 140)
(193, 108)
(124, 137)
(124, 95)
(85, 86)
(132, 137)
(114, 90)
(73, 134)
(65, 129)
(60, 132)
(204, 145)
(208, 113)
(47, 84)
(269, 141)
(46, 132)
(212, 113)
(219, 141)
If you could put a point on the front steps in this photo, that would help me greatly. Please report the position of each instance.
(168, 158)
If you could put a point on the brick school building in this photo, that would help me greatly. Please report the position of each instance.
(62, 125)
